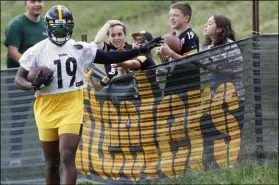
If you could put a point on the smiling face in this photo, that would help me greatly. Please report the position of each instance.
(34, 8)
(117, 36)
(217, 30)
(176, 19)
(210, 28)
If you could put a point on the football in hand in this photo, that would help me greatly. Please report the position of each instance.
(34, 72)
(173, 42)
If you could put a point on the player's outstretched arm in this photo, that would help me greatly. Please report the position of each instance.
(115, 56)
(129, 64)
(120, 56)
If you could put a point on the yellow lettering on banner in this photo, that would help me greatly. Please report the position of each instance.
(109, 114)
(85, 142)
(117, 165)
(95, 156)
(226, 153)
(147, 125)
(177, 110)
(198, 105)
(128, 113)
(134, 133)
(79, 162)
(178, 134)
(85, 90)
(138, 165)
(118, 161)
(163, 137)
(82, 156)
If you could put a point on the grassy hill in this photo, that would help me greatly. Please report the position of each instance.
(149, 15)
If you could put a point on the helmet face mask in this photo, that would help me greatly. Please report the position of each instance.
(60, 33)
(59, 24)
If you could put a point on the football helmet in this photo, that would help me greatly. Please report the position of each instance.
(59, 22)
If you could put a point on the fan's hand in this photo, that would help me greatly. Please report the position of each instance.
(90, 71)
(114, 22)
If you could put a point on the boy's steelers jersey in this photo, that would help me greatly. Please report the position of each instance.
(189, 41)
(67, 63)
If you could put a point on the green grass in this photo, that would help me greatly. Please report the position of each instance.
(246, 173)
(250, 173)
(149, 15)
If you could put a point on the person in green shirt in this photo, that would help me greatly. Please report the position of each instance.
(23, 32)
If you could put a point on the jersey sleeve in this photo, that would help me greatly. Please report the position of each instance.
(13, 34)
(89, 53)
(142, 61)
(28, 59)
(99, 46)
(145, 61)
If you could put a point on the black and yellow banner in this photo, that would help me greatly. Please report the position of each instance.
(161, 122)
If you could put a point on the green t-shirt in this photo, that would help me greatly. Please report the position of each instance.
(23, 34)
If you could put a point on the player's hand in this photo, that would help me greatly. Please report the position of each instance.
(146, 48)
(114, 22)
(41, 82)
(105, 81)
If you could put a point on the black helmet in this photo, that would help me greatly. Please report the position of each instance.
(59, 24)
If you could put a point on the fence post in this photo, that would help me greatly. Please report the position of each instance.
(256, 56)
(84, 37)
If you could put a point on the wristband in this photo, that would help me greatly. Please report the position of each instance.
(34, 88)
(105, 81)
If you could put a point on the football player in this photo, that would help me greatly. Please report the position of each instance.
(58, 107)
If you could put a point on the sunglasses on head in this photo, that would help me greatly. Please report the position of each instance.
(140, 41)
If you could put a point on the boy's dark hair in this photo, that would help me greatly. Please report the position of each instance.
(123, 26)
(227, 32)
(185, 8)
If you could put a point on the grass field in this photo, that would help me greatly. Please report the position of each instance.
(248, 173)
(149, 15)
